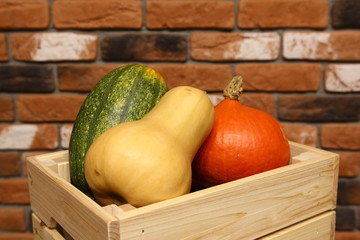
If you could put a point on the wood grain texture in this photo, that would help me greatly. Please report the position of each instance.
(248, 208)
(56, 201)
(42, 232)
(319, 227)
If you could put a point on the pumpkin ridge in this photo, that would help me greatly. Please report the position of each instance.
(243, 141)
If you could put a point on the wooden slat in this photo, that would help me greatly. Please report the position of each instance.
(42, 232)
(248, 208)
(56, 201)
(318, 227)
(64, 171)
(244, 209)
(116, 211)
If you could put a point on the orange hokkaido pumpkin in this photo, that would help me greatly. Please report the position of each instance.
(243, 141)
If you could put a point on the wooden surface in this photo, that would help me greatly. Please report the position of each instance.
(320, 227)
(264, 203)
(56, 201)
(248, 208)
(42, 232)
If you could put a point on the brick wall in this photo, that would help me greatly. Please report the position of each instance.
(300, 60)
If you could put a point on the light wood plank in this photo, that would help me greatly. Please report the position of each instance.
(56, 201)
(263, 203)
(42, 232)
(318, 227)
(117, 211)
(64, 171)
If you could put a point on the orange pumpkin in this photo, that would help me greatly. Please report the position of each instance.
(243, 141)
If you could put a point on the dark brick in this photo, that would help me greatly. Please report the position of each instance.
(144, 47)
(26, 79)
(346, 14)
(319, 108)
(348, 191)
(345, 218)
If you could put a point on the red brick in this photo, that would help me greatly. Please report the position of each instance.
(54, 46)
(340, 136)
(166, 14)
(47, 108)
(12, 219)
(349, 164)
(6, 109)
(342, 78)
(261, 101)
(81, 77)
(330, 45)
(283, 14)
(17, 236)
(14, 191)
(94, 14)
(235, 46)
(206, 77)
(3, 48)
(20, 14)
(343, 235)
(10, 164)
(29, 136)
(301, 133)
(280, 77)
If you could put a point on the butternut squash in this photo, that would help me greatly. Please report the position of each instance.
(149, 160)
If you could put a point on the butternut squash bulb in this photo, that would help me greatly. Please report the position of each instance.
(149, 160)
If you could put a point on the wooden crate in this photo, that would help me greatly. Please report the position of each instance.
(291, 202)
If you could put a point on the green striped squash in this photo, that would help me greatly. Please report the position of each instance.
(125, 94)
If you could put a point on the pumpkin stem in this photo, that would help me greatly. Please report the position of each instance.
(234, 89)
